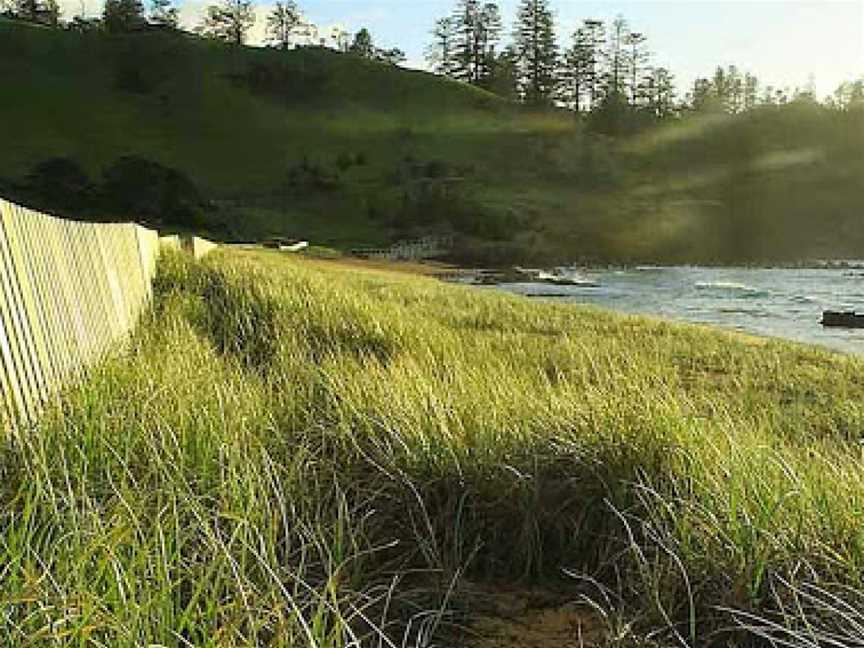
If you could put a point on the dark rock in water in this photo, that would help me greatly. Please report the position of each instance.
(513, 275)
(528, 275)
(848, 319)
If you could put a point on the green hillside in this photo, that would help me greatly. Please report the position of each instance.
(345, 151)
(237, 121)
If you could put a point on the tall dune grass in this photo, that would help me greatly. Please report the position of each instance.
(297, 455)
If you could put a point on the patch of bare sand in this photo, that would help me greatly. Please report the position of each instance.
(425, 268)
(531, 619)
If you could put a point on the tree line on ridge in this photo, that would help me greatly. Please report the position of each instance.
(605, 69)
(229, 20)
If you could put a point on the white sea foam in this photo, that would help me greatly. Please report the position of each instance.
(728, 286)
(804, 299)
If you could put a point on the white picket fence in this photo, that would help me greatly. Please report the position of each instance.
(68, 292)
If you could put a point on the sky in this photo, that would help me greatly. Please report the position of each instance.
(785, 43)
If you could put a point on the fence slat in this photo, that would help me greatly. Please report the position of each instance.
(68, 292)
(13, 316)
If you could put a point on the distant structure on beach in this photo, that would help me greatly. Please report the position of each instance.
(428, 247)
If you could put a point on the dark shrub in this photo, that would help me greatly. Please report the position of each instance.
(309, 176)
(146, 189)
(437, 169)
(474, 219)
(477, 252)
(60, 184)
(300, 77)
(344, 161)
(144, 62)
(84, 25)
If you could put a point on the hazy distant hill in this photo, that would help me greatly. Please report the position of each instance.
(324, 145)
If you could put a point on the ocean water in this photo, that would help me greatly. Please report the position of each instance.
(785, 303)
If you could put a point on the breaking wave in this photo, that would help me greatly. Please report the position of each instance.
(804, 299)
(731, 287)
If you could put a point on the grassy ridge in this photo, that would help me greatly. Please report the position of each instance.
(237, 121)
(779, 183)
(292, 456)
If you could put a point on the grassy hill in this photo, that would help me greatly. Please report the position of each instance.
(292, 454)
(237, 121)
(322, 145)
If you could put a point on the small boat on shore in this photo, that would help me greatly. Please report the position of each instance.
(848, 319)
